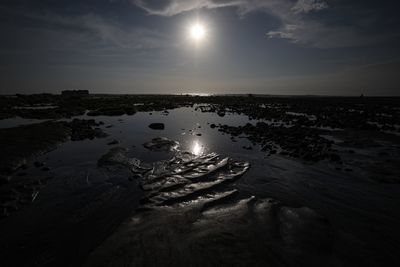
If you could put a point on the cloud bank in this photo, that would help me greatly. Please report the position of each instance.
(174, 7)
(297, 23)
(86, 33)
(306, 6)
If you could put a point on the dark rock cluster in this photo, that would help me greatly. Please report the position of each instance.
(295, 141)
(112, 111)
(85, 129)
(367, 113)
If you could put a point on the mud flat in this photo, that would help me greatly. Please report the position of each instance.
(191, 209)
(199, 181)
(21, 145)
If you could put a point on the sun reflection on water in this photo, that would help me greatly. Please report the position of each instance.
(197, 148)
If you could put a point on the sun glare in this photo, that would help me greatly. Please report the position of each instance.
(197, 148)
(197, 32)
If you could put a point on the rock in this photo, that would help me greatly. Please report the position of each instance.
(113, 142)
(111, 111)
(161, 144)
(212, 126)
(84, 129)
(117, 156)
(157, 126)
(117, 159)
(46, 169)
(38, 164)
(93, 113)
(130, 111)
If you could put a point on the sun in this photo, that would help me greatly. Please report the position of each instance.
(197, 32)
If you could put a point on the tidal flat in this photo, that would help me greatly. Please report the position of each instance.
(185, 180)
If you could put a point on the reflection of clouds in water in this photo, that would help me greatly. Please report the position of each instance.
(197, 148)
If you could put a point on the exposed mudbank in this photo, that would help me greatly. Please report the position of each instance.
(367, 113)
(191, 208)
(20, 145)
(247, 232)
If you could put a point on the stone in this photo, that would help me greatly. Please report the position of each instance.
(157, 126)
(161, 144)
(113, 142)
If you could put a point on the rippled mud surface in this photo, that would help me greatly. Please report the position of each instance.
(274, 184)
(193, 215)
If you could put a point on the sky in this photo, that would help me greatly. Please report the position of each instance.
(280, 47)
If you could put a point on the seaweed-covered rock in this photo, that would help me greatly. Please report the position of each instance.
(117, 156)
(161, 144)
(85, 129)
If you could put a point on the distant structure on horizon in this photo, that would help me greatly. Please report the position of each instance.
(75, 93)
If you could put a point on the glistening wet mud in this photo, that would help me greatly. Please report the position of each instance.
(191, 208)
